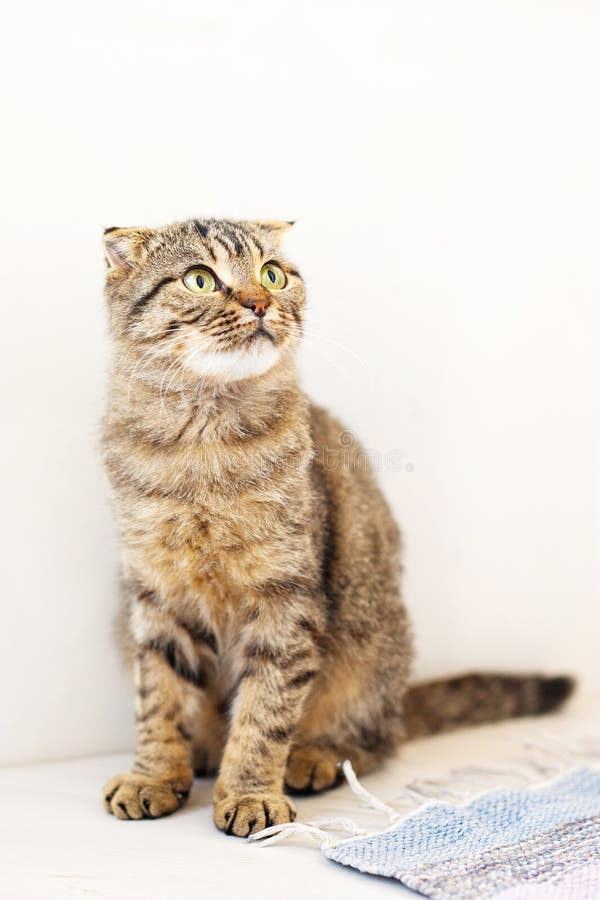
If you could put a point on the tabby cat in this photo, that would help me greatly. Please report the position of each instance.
(262, 614)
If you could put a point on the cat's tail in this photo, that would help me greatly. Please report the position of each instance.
(477, 698)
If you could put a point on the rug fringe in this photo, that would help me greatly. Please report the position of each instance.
(548, 757)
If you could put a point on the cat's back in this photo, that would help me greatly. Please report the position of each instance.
(361, 524)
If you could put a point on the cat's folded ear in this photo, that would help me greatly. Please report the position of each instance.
(275, 228)
(123, 247)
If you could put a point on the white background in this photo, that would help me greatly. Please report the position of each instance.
(442, 161)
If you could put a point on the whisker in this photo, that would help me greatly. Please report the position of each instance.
(177, 364)
(154, 353)
(150, 335)
(319, 337)
(148, 357)
(321, 352)
(185, 361)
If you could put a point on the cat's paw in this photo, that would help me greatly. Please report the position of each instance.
(311, 768)
(134, 796)
(246, 814)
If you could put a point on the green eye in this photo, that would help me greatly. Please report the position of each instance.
(200, 281)
(272, 277)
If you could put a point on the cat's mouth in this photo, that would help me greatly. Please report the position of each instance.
(261, 333)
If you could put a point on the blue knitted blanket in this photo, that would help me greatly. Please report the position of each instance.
(513, 844)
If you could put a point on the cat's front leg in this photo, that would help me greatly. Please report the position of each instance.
(279, 660)
(161, 777)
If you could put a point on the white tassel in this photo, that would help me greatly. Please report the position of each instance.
(338, 823)
(562, 753)
(276, 833)
(560, 756)
(430, 788)
(363, 794)
(482, 775)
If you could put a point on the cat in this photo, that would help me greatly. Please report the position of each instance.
(261, 607)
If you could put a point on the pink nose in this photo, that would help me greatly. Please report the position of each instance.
(258, 306)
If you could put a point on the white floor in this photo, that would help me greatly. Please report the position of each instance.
(56, 841)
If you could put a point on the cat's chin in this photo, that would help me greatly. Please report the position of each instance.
(235, 365)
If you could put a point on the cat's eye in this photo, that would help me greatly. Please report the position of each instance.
(200, 281)
(272, 277)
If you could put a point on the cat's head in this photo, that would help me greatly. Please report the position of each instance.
(214, 297)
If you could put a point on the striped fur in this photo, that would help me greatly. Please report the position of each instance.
(261, 605)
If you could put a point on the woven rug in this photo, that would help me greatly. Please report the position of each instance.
(541, 841)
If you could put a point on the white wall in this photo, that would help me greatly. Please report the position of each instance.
(442, 160)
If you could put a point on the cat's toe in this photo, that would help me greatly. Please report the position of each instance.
(248, 813)
(311, 769)
(133, 796)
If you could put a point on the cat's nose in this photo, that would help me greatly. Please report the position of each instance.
(258, 305)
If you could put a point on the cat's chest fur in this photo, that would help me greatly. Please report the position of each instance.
(211, 521)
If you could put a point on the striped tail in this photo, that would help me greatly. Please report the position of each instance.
(475, 699)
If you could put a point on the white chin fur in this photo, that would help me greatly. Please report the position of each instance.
(234, 365)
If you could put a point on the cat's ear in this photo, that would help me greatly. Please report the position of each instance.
(275, 229)
(123, 247)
